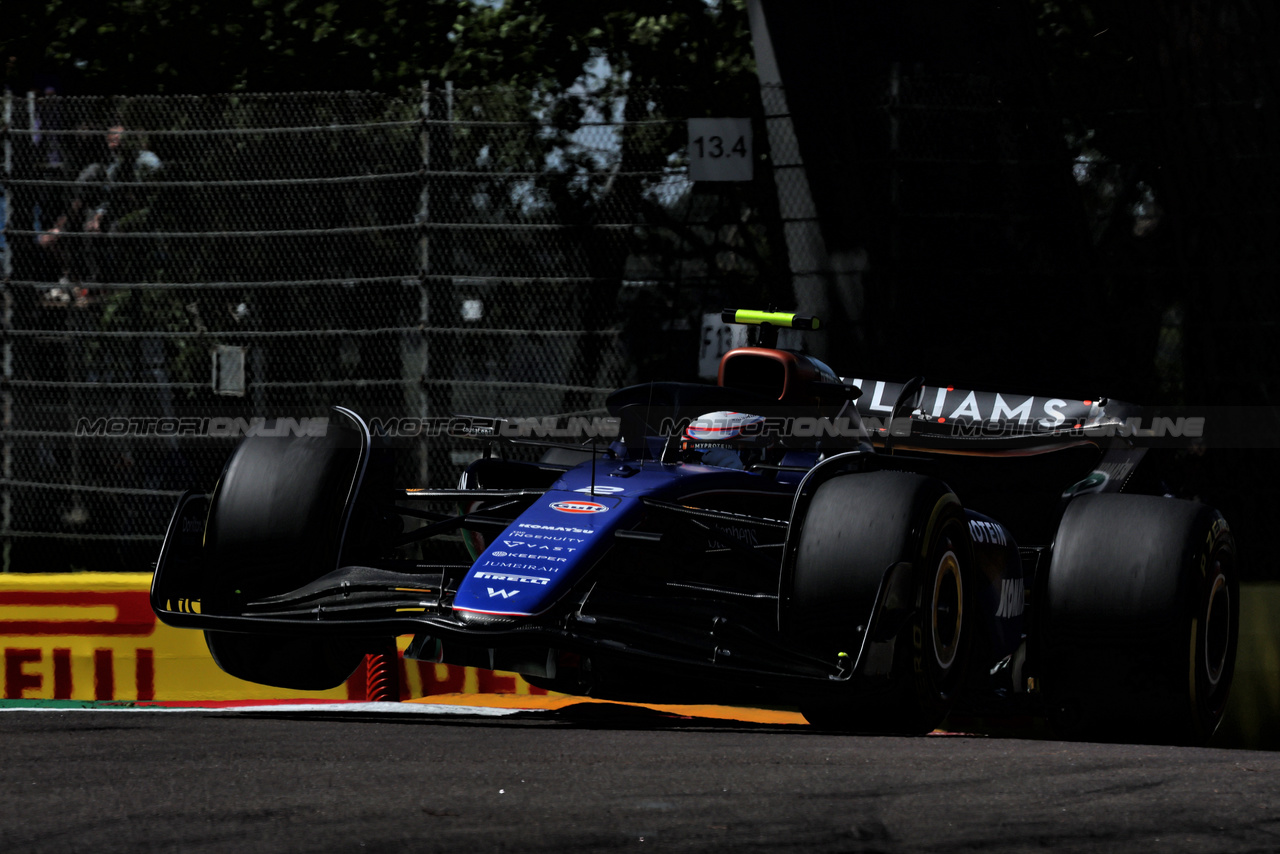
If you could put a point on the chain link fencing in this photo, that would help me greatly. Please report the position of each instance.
(502, 252)
(173, 264)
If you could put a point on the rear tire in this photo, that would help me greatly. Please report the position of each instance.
(856, 528)
(1142, 620)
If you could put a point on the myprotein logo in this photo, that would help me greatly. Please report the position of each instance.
(579, 507)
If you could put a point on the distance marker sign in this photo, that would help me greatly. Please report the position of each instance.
(720, 150)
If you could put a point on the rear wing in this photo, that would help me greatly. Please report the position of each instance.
(942, 415)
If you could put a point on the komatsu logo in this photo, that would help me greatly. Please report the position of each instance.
(559, 528)
(1012, 598)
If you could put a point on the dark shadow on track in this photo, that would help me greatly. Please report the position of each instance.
(602, 779)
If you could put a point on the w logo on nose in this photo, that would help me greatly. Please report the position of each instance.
(505, 594)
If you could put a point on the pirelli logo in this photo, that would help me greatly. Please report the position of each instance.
(505, 576)
(77, 644)
(123, 613)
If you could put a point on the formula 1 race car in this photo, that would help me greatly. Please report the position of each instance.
(877, 554)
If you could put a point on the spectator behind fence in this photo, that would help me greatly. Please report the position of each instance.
(104, 200)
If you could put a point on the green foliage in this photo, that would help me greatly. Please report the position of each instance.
(562, 64)
(179, 46)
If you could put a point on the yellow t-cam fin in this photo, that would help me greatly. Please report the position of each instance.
(781, 319)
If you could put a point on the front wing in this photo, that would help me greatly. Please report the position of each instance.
(725, 635)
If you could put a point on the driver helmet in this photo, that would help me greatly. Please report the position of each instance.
(721, 438)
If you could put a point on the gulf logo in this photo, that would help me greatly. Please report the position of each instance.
(579, 507)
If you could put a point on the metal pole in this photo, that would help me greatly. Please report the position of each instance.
(424, 269)
(812, 270)
(895, 180)
(6, 401)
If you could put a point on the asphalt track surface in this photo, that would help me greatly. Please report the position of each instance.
(597, 779)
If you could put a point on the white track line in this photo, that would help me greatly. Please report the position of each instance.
(341, 708)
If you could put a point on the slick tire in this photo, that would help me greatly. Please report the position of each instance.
(278, 515)
(1141, 620)
(297, 663)
(856, 528)
(281, 516)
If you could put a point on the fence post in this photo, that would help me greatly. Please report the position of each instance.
(6, 398)
(422, 391)
(811, 264)
(437, 292)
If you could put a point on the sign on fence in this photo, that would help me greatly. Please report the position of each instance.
(720, 150)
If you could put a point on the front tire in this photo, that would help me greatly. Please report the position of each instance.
(283, 661)
(856, 529)
(279, 519)
(1141, 620)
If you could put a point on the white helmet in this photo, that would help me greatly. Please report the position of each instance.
(724, 426)
(720, 436)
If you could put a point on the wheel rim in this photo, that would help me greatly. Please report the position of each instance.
(1217, 626)
(948, 610)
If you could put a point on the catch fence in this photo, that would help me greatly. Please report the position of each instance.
(502, 252)
(175, 267)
